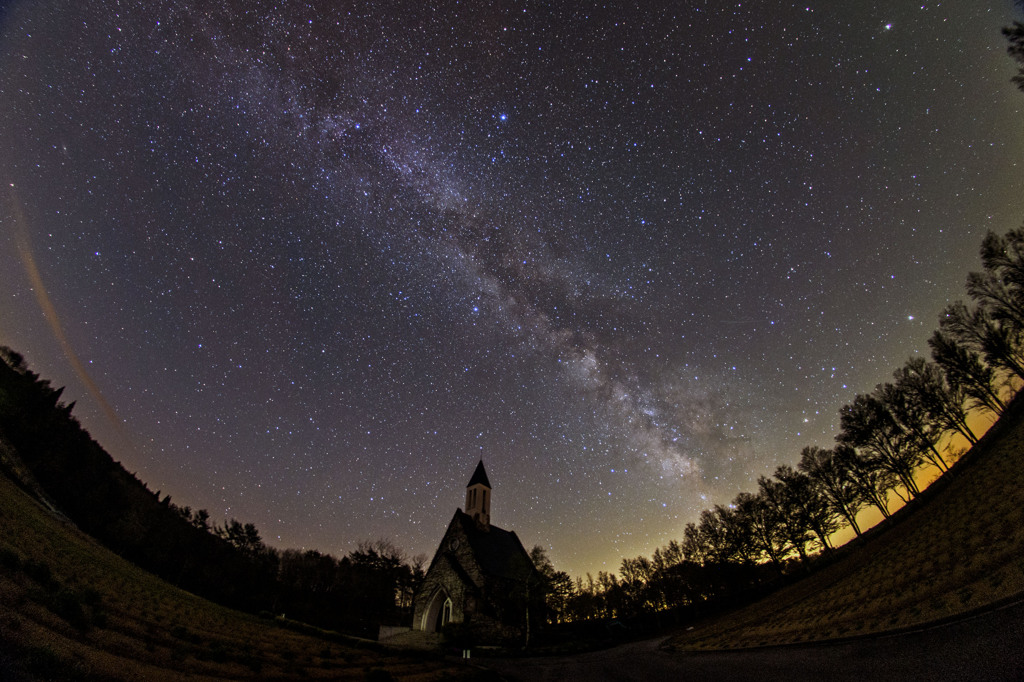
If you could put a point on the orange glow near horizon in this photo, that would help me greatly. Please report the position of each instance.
(50, 311)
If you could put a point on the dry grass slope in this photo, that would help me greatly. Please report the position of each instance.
(960, 550)
(70, 609)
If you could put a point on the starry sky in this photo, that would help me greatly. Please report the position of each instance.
(304, 263)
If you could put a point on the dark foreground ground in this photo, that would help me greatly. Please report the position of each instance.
(987, 646)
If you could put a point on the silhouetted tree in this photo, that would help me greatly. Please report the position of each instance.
(806, 505)
(943, 406)
(684, 583)
(15, 360)
(668, 556)
(201, 519)
(585, 603)
(772, 493)
(994, 327)
(867, 424)
(244, 537)
(556, 586)
(1015, 35)
(380, 581)
(765, 527)
(636, 575)
(911, 415)
(664, 581)
(309, 573)
(833, 483)
(978, 331)
(738, 545)
(872, 482)
(714, 536)
(966, 372)
(611, 594)
(999, 287)
(694, 547)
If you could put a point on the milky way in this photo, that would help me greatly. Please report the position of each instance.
(304, 263)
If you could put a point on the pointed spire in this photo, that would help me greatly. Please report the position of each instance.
(478, 497)
(479, 476)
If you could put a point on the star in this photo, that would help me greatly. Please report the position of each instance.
(666, 225)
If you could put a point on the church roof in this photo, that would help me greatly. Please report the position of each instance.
(479, 476)
(498, 551)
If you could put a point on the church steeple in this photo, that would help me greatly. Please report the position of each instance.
(478, 497)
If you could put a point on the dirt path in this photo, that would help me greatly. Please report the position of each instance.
(988, 646)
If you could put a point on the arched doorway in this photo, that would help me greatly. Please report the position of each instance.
(438, 613)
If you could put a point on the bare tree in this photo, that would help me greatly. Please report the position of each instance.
(739, 543)
(695, 549)
(807, 507)
(872, 482)
(944, 406)
(976, 329)
(966, 372)
(833, 483)
(911, 414)
(868, 424)
(765, 527)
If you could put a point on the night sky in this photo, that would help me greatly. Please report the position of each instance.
(304, 263)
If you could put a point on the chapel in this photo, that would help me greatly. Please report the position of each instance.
(480, 576)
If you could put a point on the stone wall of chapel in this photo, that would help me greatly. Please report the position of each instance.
(454, 549)
(481, 606)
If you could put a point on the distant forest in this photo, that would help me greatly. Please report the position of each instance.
(734, 552)
(46, 450)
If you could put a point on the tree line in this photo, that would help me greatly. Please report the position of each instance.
(228, 563)
(886, 438)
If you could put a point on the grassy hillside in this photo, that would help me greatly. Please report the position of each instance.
(71, 609)
(957, 548)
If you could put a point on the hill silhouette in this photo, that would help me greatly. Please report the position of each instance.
(73, 610)
(48, 453)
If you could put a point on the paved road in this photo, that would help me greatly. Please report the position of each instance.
(989, 646)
